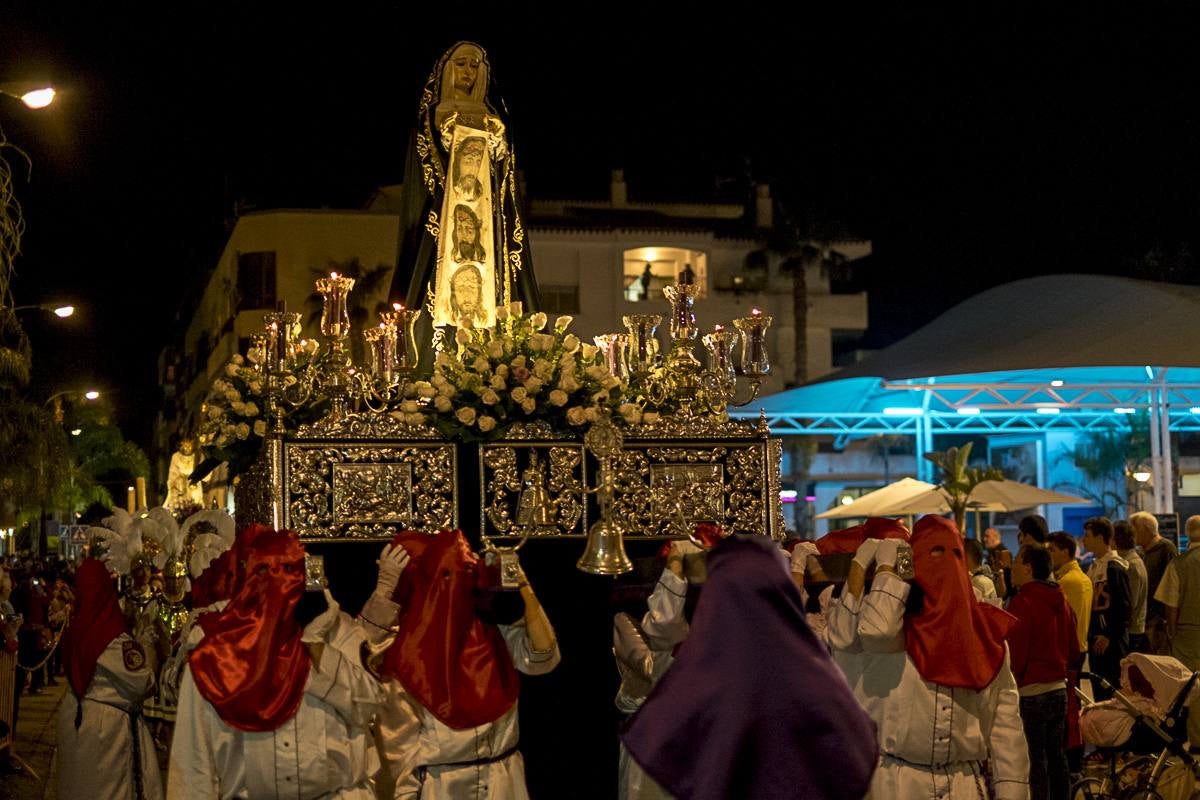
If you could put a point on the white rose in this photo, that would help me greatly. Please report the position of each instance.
(495, 349)
(243, 431)
(519, 361)
(250, 410)
(438, 380)
(233, 396)
(568, 384)
(516, 308)
(481, 365)
(611, 383)
(256, 388)
(215, 412)
(626, 409)
(633, 417)
(410, 406)
(223, 441)
(542, 368)
(533, 385)
(600, 397)
(596, 373)
(442, 404)
(231, 370)
(490, 397)
(415, 420)
(239, 408)
(591, 415)
(518, 394)
(498, 383)
(446, 390)
(260, 428)
(501, 313)
(590, 351)
(465, 415)
(576, 416)
(443, 360)
(538, 321)
(571, 343)
(486, 423)
(650, 417)
(502, 372)
(528, 405)
(558, 397)
(238, 359)
(425, 389)
(463, 336)
(562, 323)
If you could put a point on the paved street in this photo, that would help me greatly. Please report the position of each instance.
(34, 744)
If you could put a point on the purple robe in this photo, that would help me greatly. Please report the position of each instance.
(753, 705)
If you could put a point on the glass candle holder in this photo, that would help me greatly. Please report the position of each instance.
(335, 317)
(282, 330)
(720, 344)
(755, 361)
(642, 351)
(682, 297)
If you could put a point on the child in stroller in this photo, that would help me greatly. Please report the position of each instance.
(1142, 730)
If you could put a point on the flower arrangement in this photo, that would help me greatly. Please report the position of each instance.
(233, 421)
(518, 371)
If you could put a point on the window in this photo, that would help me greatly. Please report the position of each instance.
(256, 280)
(648, 269)
(559, 299)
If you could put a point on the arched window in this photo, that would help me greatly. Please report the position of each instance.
(648, 269)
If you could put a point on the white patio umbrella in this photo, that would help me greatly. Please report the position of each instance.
(1002, 495)
(877, 503)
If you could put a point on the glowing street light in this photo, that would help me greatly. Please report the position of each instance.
(60, 311)
(91, 394)
(76, 431)
(35, 98)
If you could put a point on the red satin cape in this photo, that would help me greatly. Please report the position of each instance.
(251, 664)
(449, 660)
(954, 640)
(847, 540)
(96, 620)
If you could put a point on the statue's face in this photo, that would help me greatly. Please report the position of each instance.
(466, 63)
(140, 574)
(469, 160)
(186, 447)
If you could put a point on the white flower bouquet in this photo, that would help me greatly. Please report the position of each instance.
(514, 372)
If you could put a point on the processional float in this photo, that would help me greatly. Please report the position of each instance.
(563, 439)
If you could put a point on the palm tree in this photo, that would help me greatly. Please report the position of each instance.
(959, 480)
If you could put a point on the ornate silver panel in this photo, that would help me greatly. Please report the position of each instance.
(518, 477)
(369, 490)
(720, 481)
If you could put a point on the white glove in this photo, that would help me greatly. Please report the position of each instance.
(885, 556)
(318, 630)
(392, 562)
(865, 555)
(682, 547)
(801, 554)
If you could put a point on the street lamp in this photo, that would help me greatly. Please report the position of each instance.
(34, 96)
(88, 394)
(60, 311)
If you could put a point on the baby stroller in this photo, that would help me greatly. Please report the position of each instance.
(1143, 732)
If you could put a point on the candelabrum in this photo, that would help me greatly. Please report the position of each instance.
(295, 373)
(680, 381)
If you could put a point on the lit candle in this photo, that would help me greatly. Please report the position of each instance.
(335, 321)
(131, 501)
(141, 493)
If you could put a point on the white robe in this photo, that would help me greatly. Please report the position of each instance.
(95, 762)
(427, 758)
(324, 751)
(931, 738)
(643, 656)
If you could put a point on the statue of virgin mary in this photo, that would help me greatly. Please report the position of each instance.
(460, 207)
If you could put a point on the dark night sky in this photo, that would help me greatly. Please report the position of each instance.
(972, 150)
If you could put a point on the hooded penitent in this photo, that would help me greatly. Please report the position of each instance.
(953, 640)
(847, 540)
(753, 705)
(96, 620)
(251, 664)
(222, 576)
(448, 659)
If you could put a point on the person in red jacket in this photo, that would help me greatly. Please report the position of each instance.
(1041, 645)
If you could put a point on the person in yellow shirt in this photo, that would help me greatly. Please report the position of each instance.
(1074, 582)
